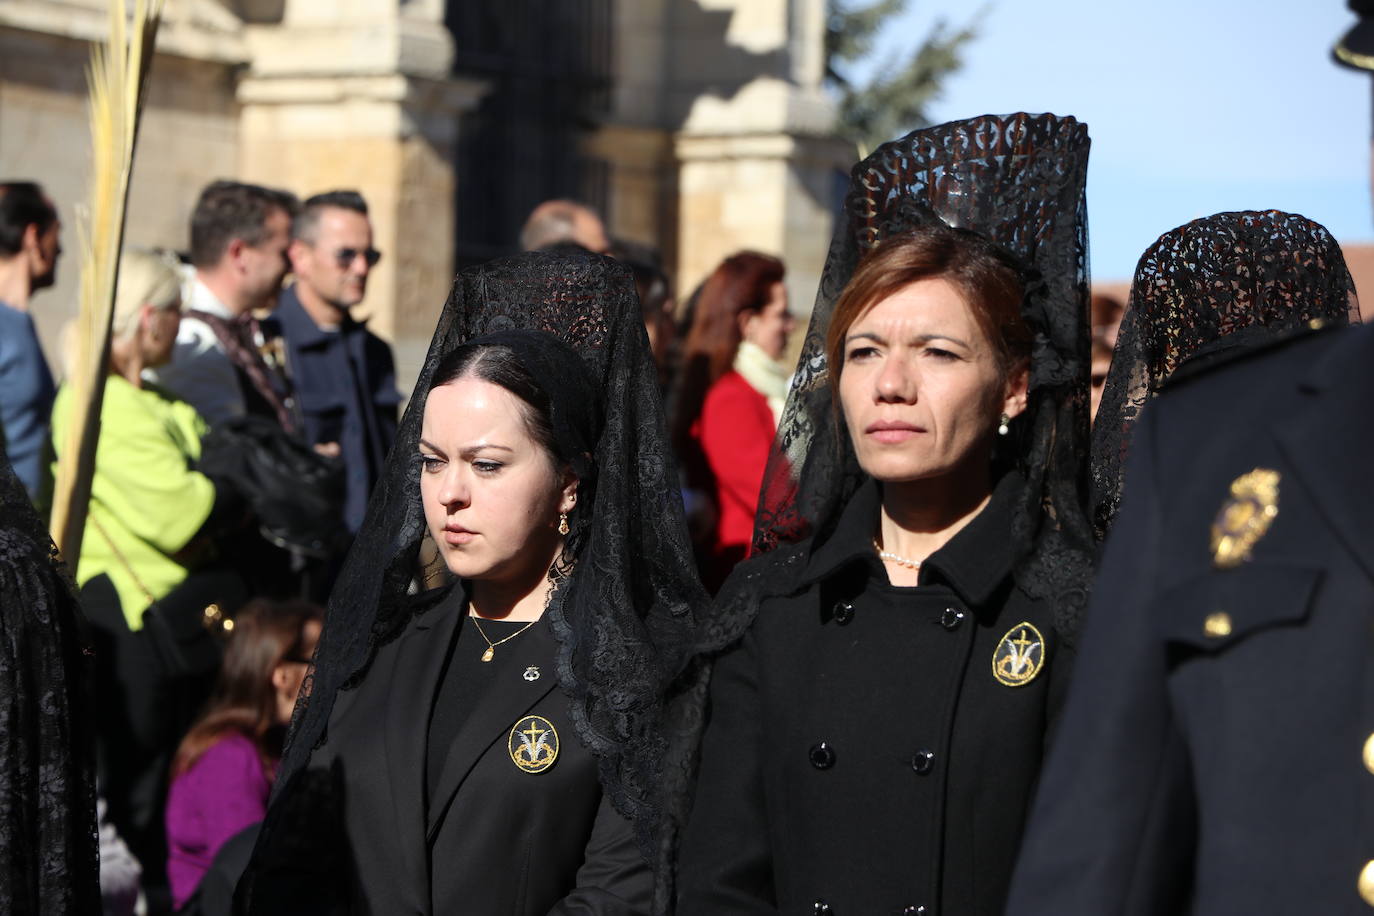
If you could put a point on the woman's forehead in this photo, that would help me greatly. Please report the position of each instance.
(926, 306)
(471, 406)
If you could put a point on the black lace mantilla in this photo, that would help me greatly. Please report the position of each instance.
(1018, 180)
(49, 858)
(625, 614)
(1226, 281)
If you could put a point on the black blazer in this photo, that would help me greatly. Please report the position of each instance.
(1214, 755)
(495, 839)
(862, 757)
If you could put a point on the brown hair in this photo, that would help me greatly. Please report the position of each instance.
(265, 634)
(989, 279)
(740, 284)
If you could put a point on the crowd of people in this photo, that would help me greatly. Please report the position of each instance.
(835, 634)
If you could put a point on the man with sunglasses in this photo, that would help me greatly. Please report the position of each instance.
(344, 375)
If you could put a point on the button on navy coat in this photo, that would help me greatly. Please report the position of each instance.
(1211, 755)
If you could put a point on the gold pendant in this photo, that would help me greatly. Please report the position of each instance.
(489, 654)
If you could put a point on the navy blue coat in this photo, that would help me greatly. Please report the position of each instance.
(1215, 754)
(345, 388)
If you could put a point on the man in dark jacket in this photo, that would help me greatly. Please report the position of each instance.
(1215, 755)
(344, 375)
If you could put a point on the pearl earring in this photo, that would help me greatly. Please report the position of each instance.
(1003, 429)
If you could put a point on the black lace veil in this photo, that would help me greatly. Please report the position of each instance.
(1019, 180)
(49, 858)
(625, 613)
(1214, 285)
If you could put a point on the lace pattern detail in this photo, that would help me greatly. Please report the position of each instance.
(49, 854)
(1227, 280)
(1018, 180)
(626, 615)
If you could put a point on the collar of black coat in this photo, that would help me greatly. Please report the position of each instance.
(298, 327)
(974, 563)
(423, 604)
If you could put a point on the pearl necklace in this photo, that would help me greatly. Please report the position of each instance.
(900, 561)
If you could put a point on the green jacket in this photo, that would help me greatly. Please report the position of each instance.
(147, 499)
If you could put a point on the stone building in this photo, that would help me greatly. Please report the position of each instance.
(697, 126)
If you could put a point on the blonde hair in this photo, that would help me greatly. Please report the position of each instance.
(147, 276)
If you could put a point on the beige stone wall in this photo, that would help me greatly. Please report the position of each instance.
(189, 137)
(716, 141)
(732, 89)
(391, 138)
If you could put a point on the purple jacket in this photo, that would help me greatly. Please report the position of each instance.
(223, 792)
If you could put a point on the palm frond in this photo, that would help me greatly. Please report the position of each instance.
(118, 78)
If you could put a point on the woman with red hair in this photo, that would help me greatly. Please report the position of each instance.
(731, 396)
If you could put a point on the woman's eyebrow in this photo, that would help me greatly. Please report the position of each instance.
(470, 450)
(927, 338)
(918, 339)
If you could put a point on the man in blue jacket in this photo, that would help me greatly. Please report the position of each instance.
(29, 249)
(344, 375)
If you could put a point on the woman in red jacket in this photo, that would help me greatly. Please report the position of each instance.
(731, 396)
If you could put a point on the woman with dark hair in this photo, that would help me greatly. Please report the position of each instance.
(1202, 292)
(890, 663)
(1214, 754)
(224, 767)
(492, 745)
(731, 395)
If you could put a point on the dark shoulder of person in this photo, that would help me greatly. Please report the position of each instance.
(1256, 350)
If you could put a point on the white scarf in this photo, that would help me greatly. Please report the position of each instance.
(765, 375)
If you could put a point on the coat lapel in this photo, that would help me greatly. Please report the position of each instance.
(1329, 436)
(490, 720)
(416, 667)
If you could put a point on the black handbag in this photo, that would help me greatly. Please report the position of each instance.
(295, 492)
(186, 627)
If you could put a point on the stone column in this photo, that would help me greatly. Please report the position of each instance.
(359, 95)
(721, 135)
(758, 167)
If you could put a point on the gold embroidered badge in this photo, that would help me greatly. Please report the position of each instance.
(1245, 517)
(1019, 656)
(533, 744)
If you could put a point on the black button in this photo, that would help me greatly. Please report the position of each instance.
(951, 618)
(843, 612)
(923, 762)
(823, 908)
(822, 756)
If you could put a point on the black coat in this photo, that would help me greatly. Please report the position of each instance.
(861, 756)
(1213, 755)
(494, 839)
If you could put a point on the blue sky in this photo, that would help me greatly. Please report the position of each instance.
(1194, 106)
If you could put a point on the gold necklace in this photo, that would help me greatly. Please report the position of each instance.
(900, 561)
(556, 577)
(491, 646)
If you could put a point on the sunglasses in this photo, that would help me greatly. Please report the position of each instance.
(345, 257)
